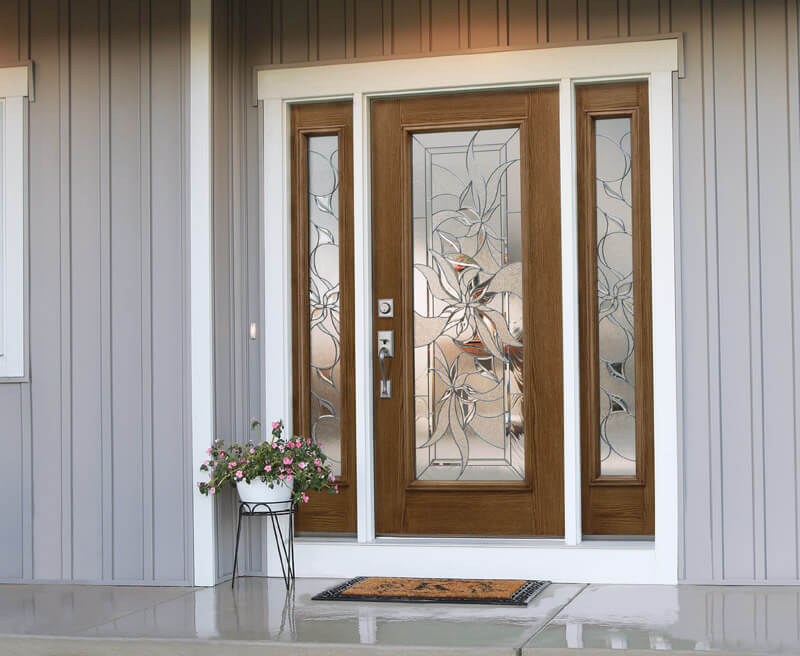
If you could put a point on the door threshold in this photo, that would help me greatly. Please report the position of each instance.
(494, 542)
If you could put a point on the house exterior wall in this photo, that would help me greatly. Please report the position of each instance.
(737, 144)
(96, 445)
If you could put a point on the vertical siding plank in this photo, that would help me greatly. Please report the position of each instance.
(331, 29)
(104, 175)
(603, 19)
(444, 29)
(295, 37)
(463, 23)
(11, 510)
(484, 24)
(86, 296)
(368, 28)
(793, 88)
(126, 292)
(754, 266)
(735, 338)
(643, 16)
(146, 270)
(523, 23)
(45, 351)
(9, 31)
(170, 484)
(778, 450)
(694, 264)
(562, 21)
(65, 234)
(406, 26)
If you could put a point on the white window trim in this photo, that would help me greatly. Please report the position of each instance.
(13, 91)
(565, 559)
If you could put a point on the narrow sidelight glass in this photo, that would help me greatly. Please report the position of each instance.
(468, 332)
(324, 297)
(615, 297)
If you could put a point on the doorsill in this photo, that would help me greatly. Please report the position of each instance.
(477, 542)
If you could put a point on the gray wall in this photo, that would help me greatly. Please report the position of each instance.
(96, 447)
(738, 144)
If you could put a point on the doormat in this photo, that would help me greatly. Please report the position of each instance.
(447, 591)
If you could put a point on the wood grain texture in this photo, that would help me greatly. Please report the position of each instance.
(325, 513)
(533, 506)
(615, 505)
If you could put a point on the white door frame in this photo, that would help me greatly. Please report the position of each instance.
(565, 559)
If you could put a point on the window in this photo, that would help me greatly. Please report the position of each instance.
(13, 88)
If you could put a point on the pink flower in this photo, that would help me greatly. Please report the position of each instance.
(302, 465)
(213, 490)
(318, 462)
(287, 461)
(319, 469)
(198, 484)
(231, 465)
(336, 488)
(281, 477)
(305, 498)
(276, 425)
(239, 474)
(252, 451)
(206, 463)
(268, 468)
(290, 445)
(208, 450)
(331, 476)
(308, 441)
(281, 449)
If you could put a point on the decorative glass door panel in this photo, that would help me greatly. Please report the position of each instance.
(615, 298)
(468, 426)
(468, 325)
(324, 291)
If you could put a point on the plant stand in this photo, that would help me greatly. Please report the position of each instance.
(274, 510)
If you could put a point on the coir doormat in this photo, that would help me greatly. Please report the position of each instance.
(450, 591)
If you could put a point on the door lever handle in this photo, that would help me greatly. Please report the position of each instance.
(386, 384)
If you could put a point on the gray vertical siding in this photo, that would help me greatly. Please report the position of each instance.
(738, 147)
(100, 489)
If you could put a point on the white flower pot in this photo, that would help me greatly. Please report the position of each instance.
(260, 492)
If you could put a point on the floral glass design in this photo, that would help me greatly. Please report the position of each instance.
(324, 295)
(468, 333)
(617, 379)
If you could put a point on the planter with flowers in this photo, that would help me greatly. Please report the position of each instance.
(275, 471)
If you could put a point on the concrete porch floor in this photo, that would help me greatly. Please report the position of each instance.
(258, 616)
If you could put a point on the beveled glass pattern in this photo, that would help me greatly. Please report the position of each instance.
(617, 377)
(324, 295)
(468, 333)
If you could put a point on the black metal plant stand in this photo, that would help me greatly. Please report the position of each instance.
(274, 511)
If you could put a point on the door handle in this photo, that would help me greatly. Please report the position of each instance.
(385, 350)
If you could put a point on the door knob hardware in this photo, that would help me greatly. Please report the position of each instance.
(385, 308)
(385, 350)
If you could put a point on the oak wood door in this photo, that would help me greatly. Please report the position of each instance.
(466, 242)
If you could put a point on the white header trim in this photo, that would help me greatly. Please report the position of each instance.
(496, 69)
(13, 81)
(654, 61)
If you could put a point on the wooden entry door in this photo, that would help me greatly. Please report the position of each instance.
(466, 244)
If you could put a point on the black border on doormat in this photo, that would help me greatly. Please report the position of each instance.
(521, 597)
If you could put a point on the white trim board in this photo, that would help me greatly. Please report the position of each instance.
(201, 300)
(13, 167)
(654, 61)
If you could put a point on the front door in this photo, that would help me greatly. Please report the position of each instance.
(468, 408)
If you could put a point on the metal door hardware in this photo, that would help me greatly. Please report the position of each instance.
(385, 350)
